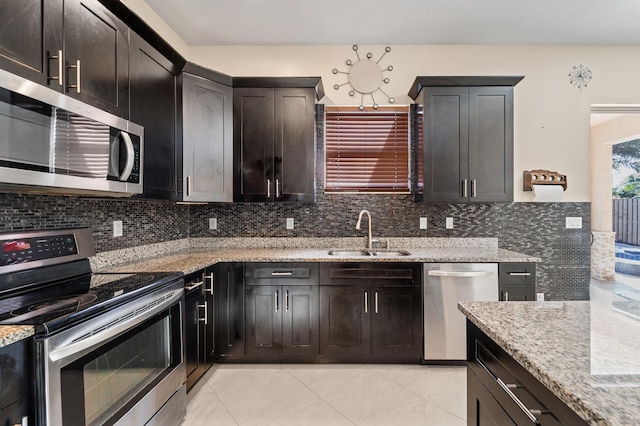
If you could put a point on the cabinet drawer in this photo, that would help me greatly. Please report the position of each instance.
(383, 274)
(517, 274)
(281, 273)
(525, 399)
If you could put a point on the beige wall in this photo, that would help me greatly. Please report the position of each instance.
(552, 117)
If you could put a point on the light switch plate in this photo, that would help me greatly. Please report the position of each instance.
(290, 223)
(423, 223)
(540, 297)
(449, 223)
(117, 228)
(213, 223)
(573, 222)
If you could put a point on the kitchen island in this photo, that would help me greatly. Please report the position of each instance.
(583, 353)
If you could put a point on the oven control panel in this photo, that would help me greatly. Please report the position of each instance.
(25, 250)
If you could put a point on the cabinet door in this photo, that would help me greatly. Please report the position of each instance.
(396, 323)
(207, 143)
(491, 144)
(263, 305)
(30, 40)
(229, 311)
(211, 324)
(446, 144)
(513, 293)
(345, 332)
(153, 105)
(194, 340)
(98, 42)
(253, 114)
(15, 382)
(301, 322)
(294, 145)
(482, 408)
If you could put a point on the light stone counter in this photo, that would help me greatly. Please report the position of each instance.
(12, 333)
(206, 252)
(586, 353)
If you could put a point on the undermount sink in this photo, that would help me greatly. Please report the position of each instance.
(366, 253)
(349, 253)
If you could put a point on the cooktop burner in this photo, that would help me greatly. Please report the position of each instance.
(56, 306)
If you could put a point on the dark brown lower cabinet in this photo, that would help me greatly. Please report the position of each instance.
(501, 392)
(370, 323)
(15, 383)
(282, 322)
(345, 331)
(396, 326)
(229, 312)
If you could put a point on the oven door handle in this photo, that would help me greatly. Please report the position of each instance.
(127, 320)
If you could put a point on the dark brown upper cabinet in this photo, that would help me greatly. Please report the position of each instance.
(76, 47)
(467, 146)
(207, 139)
(274, 138)
(153, 86)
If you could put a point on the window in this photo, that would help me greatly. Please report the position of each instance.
(367, 151)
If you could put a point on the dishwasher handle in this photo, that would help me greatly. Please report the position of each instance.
(459, 274)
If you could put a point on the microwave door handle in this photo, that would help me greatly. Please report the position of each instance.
(130, 152)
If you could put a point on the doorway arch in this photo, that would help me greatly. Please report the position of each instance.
(610, 124)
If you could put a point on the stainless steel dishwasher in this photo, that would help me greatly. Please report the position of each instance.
(446, 284)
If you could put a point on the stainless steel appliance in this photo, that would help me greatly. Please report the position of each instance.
(51, 142)
(446, 284)
(108, 347)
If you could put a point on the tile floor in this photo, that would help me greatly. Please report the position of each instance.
(328, 395)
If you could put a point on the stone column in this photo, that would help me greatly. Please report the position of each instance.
(603, 263)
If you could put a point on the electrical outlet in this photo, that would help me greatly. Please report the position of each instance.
(573, 222)
(290, 223)
(449, 223)
(540, 297)
(117, 228)
(213, 223)
(423, 223)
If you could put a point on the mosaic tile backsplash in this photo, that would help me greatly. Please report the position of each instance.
(533, 228)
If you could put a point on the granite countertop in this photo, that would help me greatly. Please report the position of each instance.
(12, 333)
(192, 259)
(586, 353)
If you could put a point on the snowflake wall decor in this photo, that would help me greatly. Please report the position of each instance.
(580, 76)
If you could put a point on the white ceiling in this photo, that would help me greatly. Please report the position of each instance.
(339, 22)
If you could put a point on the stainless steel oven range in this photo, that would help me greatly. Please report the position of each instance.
(108, 348)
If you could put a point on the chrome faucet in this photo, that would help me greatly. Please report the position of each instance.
(369, 241)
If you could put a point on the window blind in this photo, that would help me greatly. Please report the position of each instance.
(367, 151)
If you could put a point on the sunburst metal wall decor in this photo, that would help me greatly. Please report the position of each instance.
(365, 77)
(580, 76)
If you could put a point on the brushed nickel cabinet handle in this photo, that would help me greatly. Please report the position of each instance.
(286, 301)
(77, 85)
(210, 277)
(281, 273)
(375, 301)
(507, 388)
(366, 302)
(194, 285)
(268, 188)
(275, 300)
(188, 186)
(205, 319)
(464, 188)
(277, 188)
(474, 188)
(519, 274)
(506, 296)
(60, 67)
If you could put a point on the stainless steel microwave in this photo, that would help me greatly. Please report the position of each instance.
(50, 142)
